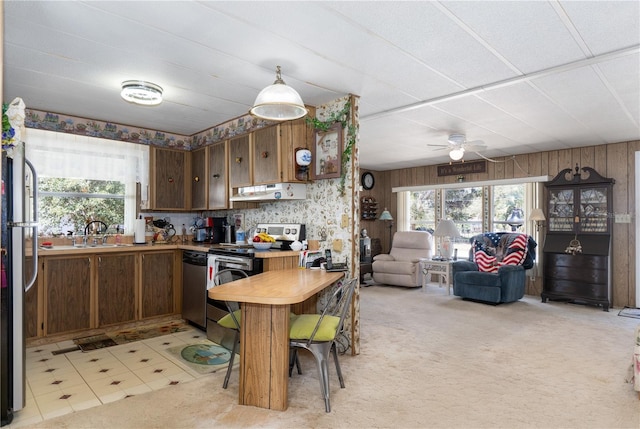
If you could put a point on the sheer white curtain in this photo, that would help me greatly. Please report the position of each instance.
(79, 157)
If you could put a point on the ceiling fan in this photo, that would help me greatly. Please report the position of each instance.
(458, 144)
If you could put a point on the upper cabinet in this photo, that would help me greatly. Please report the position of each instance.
(218, 177)
(579, 205)
(240, 169)
(272, 151)
(169, 188)
(199, 179)
(266, 156)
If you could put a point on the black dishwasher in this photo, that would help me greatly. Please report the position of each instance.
(194, 288)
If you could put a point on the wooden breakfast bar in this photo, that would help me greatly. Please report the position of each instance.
(264, 334)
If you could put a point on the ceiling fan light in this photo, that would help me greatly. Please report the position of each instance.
(278, 102)
(141, 92)
(456, 154)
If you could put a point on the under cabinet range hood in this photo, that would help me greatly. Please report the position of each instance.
(274, 192)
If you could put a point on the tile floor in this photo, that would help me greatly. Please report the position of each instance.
(67, 382)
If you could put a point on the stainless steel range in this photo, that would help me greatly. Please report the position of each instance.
(283, 233)
(222, 258)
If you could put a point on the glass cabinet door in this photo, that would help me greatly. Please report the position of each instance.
(593, 210)
(561, 210)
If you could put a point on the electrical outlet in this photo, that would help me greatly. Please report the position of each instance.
(337, 245)
(623, 218)
(344, 222)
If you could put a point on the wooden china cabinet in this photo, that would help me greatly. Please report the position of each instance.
(577, 262)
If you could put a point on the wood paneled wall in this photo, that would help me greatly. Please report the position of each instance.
(616, 160)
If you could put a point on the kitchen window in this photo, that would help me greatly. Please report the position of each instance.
(85, 178)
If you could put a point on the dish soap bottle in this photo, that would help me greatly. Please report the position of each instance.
(240, 235)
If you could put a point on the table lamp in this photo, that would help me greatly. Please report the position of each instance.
(386, 216)
(538, 217)
(446, 230)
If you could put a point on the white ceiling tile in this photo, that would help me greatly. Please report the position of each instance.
(530, 35)
(605, 25)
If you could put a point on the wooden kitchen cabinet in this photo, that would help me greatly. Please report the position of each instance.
(240, 168)
(68, 294)
(293, 134)
(158, 284)
(274, 151)
(199, 179)
(170, 189)
(218, 178)
(266, 156)
(116, 288)
(577, 248)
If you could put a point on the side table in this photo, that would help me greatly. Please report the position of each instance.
(443, 269)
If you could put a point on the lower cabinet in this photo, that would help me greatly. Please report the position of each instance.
(158, 284)
(67, 287)
(116, 287)
(76, 293)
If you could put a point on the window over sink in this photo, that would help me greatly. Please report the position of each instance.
(85, 178)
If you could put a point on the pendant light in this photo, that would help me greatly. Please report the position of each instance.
(141, 92)
(278, 102)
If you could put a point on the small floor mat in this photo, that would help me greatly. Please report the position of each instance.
(94, 342)
(630, 312)
(206, 354)
(205, 357)
(124, 336)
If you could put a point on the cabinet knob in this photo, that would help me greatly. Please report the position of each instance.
(265, 154)
(196, 179)
(238, 160)
(170, 179)
(216, 176)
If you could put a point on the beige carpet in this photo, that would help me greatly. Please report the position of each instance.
(429, 361)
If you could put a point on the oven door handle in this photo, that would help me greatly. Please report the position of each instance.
(232, 264)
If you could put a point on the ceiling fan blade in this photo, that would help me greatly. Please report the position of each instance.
(475, 147)
(475, 142)
(437, 147)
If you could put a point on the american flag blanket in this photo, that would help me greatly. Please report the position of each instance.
(496, 251)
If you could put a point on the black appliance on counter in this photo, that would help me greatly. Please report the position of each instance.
(210, 230)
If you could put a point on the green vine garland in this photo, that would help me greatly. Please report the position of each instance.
(341, 117)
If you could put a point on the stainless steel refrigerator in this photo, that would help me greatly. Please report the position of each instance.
(19, 214)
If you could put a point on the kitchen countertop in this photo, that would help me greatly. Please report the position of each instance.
(68, 250)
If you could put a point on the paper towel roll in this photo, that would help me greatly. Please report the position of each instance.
(139, 231)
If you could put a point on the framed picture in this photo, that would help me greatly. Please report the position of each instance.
(327, 153)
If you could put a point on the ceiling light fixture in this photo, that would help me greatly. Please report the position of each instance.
(457, 153)
(141, 92)
(278, 102)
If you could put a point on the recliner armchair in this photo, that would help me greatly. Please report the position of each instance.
(400, 267)
(507, 281)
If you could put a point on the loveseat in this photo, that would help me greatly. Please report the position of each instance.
(400, 267)
(495, 271)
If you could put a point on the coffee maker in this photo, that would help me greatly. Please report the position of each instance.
(215, 229)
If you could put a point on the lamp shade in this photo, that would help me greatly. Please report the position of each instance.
(278, 102)
(537, 215)
(141, 92)
(385, 215)
(446, 228)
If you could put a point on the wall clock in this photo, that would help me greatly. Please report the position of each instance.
(367, 181)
